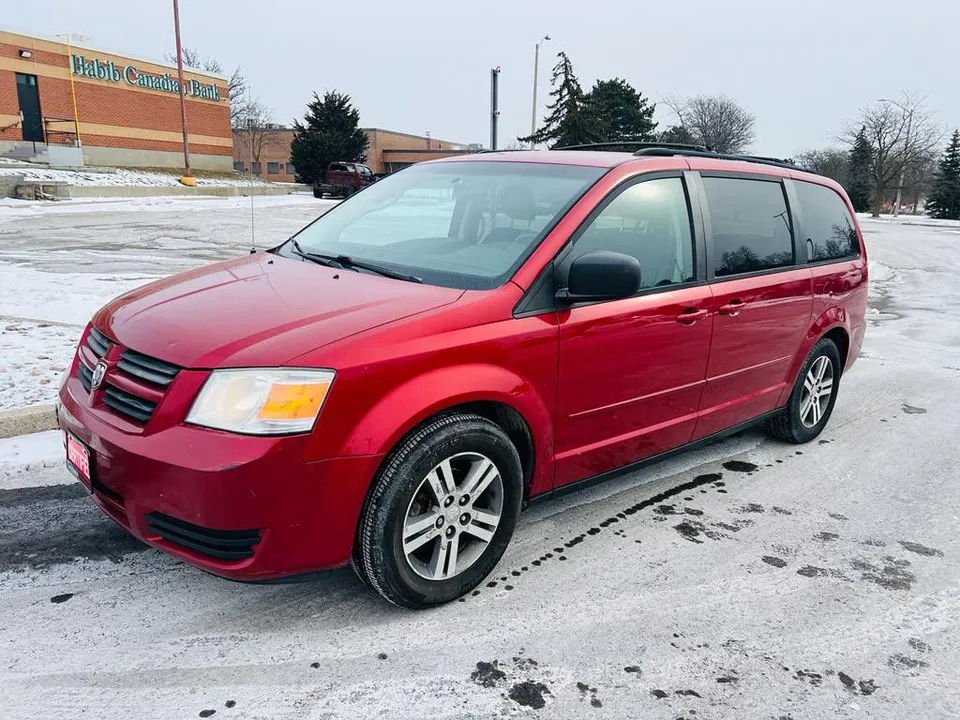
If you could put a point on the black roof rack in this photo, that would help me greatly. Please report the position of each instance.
(634, 146)
(667, 151)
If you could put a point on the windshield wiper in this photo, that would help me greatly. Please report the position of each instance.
(348, 263)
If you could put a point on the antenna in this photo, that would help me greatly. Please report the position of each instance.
(253, 231)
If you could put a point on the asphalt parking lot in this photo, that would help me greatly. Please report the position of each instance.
(749, 579)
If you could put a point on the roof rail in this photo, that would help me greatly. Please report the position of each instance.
(634, 146)
(667, 151)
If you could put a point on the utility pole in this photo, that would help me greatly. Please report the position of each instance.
(494, 106)
(536, 73)
(73, 87)
(906, 153)
(187, 178)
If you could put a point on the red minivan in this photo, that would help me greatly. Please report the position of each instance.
(391, 385)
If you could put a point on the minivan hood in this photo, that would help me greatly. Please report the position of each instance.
(259, 310)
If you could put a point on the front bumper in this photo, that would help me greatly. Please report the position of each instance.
(215, 488)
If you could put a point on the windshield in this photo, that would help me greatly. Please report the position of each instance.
(467, 225)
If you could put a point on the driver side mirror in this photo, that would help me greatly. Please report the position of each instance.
(601, 275)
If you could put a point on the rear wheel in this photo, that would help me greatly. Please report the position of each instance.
(813, 397)
(347, 191)
(317, 192)
(441, 512)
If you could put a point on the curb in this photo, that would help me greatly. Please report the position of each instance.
(24, 421)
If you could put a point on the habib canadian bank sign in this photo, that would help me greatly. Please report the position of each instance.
(109, 71)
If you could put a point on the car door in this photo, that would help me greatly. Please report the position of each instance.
(762, 298)
(631, 371)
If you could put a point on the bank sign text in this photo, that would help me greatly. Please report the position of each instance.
(111, 72)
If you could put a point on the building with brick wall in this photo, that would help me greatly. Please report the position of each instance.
(127, 109)
(266, 151)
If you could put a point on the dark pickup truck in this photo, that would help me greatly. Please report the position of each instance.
(344, 179)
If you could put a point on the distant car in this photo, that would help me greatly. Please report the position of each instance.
(343, 179)
(390, 386)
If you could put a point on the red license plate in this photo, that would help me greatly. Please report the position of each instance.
(78, 459)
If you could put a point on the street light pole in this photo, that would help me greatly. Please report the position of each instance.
(187, 178)
(906, 154)
(536, 72)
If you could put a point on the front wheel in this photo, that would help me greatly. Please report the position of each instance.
(813, 397)
(441, 511)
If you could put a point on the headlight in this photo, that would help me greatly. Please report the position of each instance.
(261, 402)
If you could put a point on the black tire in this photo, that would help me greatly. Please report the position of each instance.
(347, 191)
(789, 425)
(378, 555)
(317, 193)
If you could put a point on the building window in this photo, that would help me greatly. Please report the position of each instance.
(239, 165)
(273, 168)
(256, 168)
(291, 170)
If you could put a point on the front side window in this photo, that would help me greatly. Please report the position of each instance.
(751, 225)
(458, 224)
(828, 227)
(651, 222)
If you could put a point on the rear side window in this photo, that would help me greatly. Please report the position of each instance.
(751, 225)
(828, 227)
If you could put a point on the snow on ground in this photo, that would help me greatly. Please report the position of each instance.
(33, 359)
(810, 582)
(109, 177)
(33, 460)
(819, 581)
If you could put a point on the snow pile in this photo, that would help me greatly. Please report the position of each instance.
(122, 177)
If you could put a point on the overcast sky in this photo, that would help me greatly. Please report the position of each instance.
(801, 66)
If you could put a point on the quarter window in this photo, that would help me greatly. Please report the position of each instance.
(651, 222)
(751, 225)
(828, 227)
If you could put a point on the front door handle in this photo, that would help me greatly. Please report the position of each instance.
(732, 308)
(691, 315)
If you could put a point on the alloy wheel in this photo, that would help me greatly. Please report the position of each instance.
(453, 516)
(817, 389)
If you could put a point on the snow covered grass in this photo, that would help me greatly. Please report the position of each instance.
(109, 177)
(11, 208)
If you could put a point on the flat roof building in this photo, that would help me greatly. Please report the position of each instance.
(266, 151)
(128, 109)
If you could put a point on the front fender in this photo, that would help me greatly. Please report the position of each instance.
(409, 404)
(834, 317)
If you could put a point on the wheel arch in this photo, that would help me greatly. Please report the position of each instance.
(834, 325)
(490, 391)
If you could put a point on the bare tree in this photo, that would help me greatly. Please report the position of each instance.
(900, 133)
(254, 131)
(236, 83)
(832, 162)
(716, 121)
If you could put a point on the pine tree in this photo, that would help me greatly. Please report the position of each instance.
(677, 134)
(615, 111)
(566, 124)
(330, 132)
(861, 163)
(944, 200)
